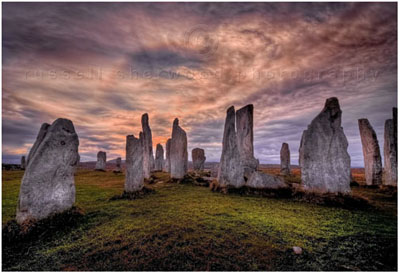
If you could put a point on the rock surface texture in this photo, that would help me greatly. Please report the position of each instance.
(245, 136)
(159, 158)
(48, 185)
(178, 151)
(285, 159)
(134, 178)
(148, 157)
(323, 157)
(198, 159)
(167, 166)
(371, 152)
(23, 163)
(118, 168)
(231, 172)
(390, 152)
(101, 161)
(260, 180)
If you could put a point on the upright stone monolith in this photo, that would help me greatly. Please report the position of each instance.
(118, 168)
(48, 185)
(198, 159)
(285, 159)
(159, 164)
(231, 172)
(244, 132)
(134, 179)
(148, 157)
(323, 157)
(178, 151)
(23, 163)
(371, 152)
(167, 166)
(390, 154)
(101, 161)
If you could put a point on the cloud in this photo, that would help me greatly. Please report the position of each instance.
(103, 65)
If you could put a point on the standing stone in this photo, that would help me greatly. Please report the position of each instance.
(178, 151)
(48, 185)
(42, 133)
(23, 163)
(134, 179)
(260, 180)
(244, 128)
(230, 171)
(371, 152)
(101, 161)
(159, 158)
(198, 159)
(215, 170)
(148, 157)
(390, 153)
(285, 159)
(394, 111)
(323, 157)
(118, 168)
(167, 166)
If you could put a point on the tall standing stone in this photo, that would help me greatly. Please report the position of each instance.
(23, 163)
(159, 158)
(390, 153)
(231, 172)
(148, 157)
(101, 161)
(394, 111)
(198, 159)
(178, 151)
(48, 185)
(118, 168)
(42, 133)
(285, 159)
(324, 161)
(371, 152)
(134, 179)
(244, 131)
(167, 166)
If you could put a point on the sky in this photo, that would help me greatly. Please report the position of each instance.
(102, 65)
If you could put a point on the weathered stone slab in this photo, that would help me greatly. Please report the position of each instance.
(324, 161)
(371, 152)
(178, 152)
(148, 157)
(159, 158)
(118, 168)
(101, 161)
(23, 163)
(260, 180)
(48, 185)
(134, 178)
(198, 159)
(285, 159)
(214, 170)
(390, 154)
(167, 166)
(231, 172)
(244, 132)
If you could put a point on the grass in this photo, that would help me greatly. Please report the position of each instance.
(186, 227)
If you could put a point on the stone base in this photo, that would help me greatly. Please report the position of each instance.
(31, 229)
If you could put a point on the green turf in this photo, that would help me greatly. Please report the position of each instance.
(186, 227)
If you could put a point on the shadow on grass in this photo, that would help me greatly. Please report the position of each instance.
(133, 195)
(19, 238)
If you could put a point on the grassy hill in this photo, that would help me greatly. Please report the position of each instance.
(187, 227)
